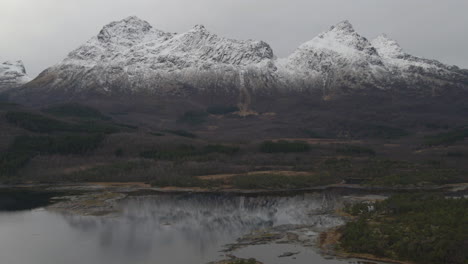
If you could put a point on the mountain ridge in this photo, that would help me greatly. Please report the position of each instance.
(131, 56)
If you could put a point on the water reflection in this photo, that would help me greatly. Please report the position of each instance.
(159, 229)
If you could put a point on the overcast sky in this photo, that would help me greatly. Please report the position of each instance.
(43, 32)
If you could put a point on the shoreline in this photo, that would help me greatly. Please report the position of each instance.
(129, 187)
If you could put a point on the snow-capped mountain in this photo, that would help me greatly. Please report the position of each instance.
(12, 74)
(338, 58)
(132, 56)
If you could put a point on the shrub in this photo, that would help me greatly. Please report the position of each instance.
(221, 109)
(284, 146)
(179, 152)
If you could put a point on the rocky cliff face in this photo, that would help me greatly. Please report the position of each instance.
(12, 74)
(131, 56)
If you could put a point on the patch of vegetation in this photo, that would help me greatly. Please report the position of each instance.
(37, 123)
(355, 150)
(65, 144)
(126, 126)
(157, 134)
(313, 134)
(110, 171)
(336, 164)
(119, 152)
(43, 124)
(436, 126)
(224, 149)
(222, 109)
(386, 132)
(181, 133)
(4, 98)
(424, 176)
(24, 148)
(174, 153)
(243, 261)
(394, 173)
(455, 154)
(184, 151)
(194, 117)
(279, 181)
(283, 146)
(6, 105)
(75, 110)
(183, 181)
(446, 138)
(12, 161)
(423, 228)
(362, 129)
(96, 127)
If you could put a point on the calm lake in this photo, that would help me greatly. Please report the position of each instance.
(167, 229)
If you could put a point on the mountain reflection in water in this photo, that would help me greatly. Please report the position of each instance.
(175, 229)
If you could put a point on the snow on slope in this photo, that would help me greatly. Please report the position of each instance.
(12, 74)
(338, 57)
(416, 72)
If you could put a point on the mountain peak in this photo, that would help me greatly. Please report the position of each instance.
(199, 28)
(129, 28)
(387, 47)
(341, 38)
(12, 74)
(344, 25)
